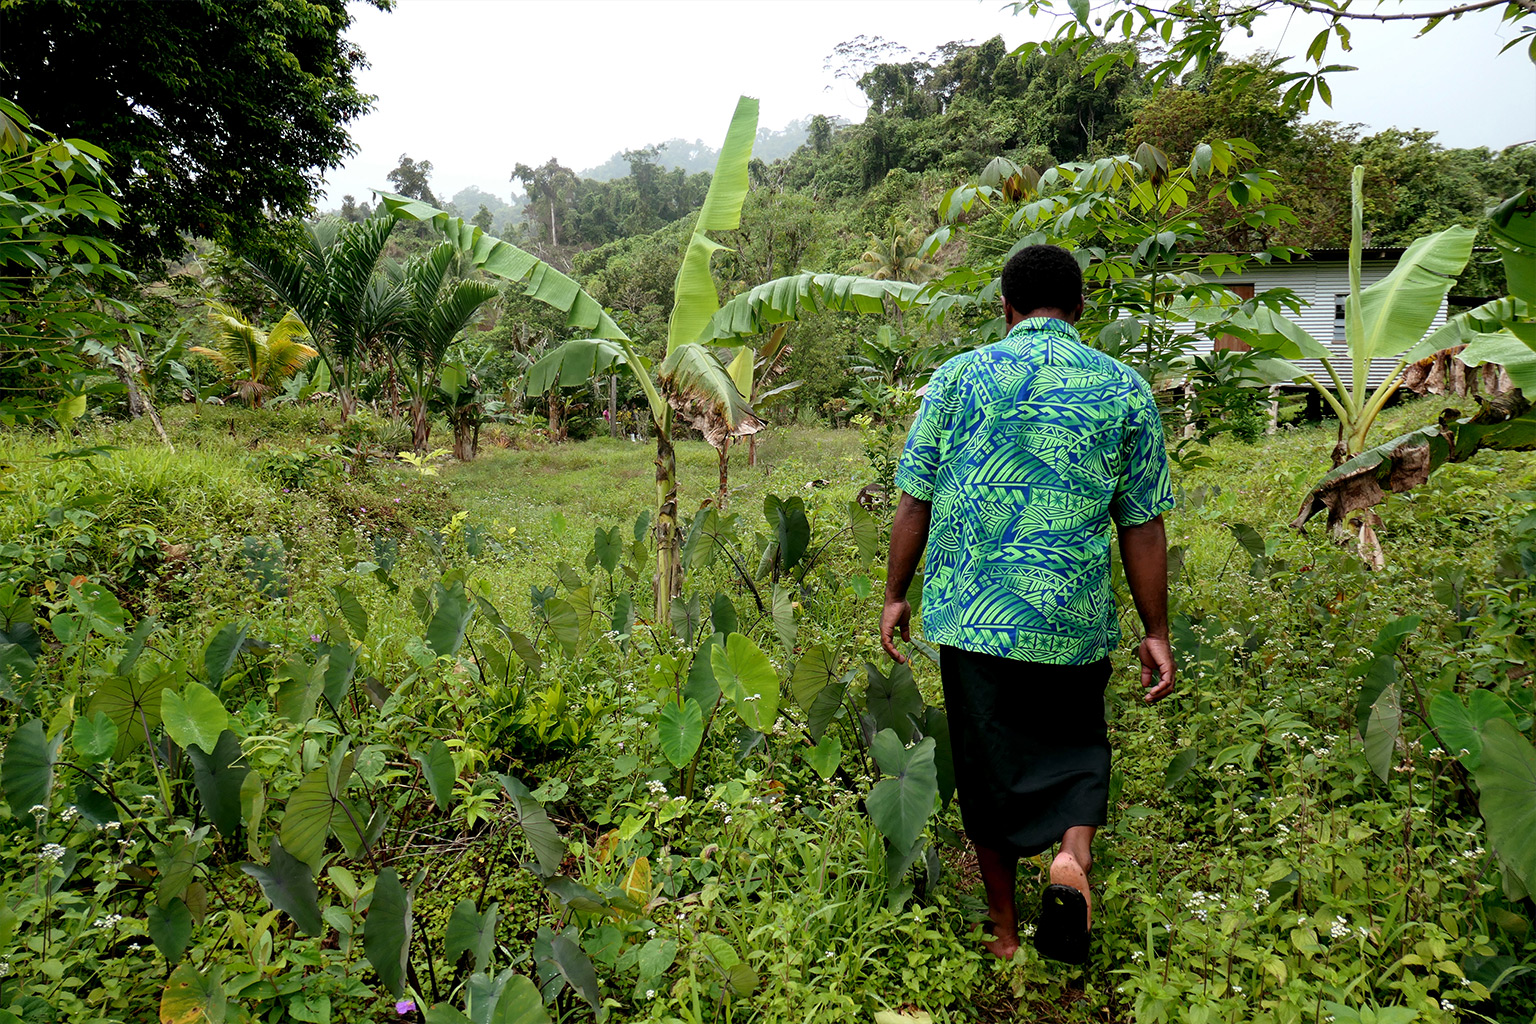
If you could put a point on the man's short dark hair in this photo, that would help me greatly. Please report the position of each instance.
(1042, 277)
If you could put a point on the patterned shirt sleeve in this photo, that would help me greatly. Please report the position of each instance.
(1144, 491)
(918, 471)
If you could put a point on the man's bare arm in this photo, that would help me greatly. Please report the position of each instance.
(1144, 552)
(909, 535)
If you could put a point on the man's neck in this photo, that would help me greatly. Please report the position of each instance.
(1050, 312)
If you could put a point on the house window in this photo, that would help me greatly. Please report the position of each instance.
(1339, 299)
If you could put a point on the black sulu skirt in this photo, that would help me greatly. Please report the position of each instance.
(1031, 750)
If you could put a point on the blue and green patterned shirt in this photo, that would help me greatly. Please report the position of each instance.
(1027, 450)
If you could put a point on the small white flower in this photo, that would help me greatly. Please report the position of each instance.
(5, 968)
(650, 993)
(109, 826)
(69, 814)
(110, 921)
(39, 810)
(656, 786)
(727, 819)
(651, 933)
(52, 852)
(1447, 1005)
(1339, 929)
(135, 946)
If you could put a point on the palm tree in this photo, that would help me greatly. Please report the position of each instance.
(256, 361)
(896, 256)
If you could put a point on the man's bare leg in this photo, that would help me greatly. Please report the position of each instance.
(998, 871)
(1071, 865)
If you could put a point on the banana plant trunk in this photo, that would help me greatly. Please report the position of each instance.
(421, 426)
(724, 451)
(669, 566)
(751, 450)
(348, 402)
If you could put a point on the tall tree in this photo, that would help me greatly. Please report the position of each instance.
(549, 191)
(413, 178)
(218, 113)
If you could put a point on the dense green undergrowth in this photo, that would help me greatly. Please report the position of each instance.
(459, 770)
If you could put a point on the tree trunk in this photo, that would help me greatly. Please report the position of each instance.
(421, 426)
(751, 450)
(348, 403)
(613, 405)
(669, 568)
(466, 437)
(556, 416)
(724, 452)
(126, 366)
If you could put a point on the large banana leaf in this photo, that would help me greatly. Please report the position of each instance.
(1397, 310)
(694, 299)
(699, 387)
(783, 299)
(1513, 226)
(1516, 354)
(507, 261)
(1274, 332)
(573, 363)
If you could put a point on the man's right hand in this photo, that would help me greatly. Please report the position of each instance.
(1157, 669)
(897, 615)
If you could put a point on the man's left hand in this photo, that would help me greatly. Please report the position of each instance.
(1157, 669)
(897, 615)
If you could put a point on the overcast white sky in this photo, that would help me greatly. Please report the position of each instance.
(477, 86)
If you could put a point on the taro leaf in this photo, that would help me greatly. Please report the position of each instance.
(866, 532)
(16, 669)
(18, 626)
(816, 668)
(573, 894)
(748, 678)
(623, 622)
(94, 738)
(264, 565)
(27, 772)
(299, 686)
(317, 807)
(608, 545)
(564, 624)
(99, 608)
(437, 768)
(1457, 725)
(1506, 782)
(445, 633)
(222, 651)
(784, 617)
(421, 603)
(524, 649)
(793, 532)
(1248, 538)
(352, 611)
(387, 930)
(747, 740)
(577, 970)
(136, 642)
(548, 847)
(1179, 767)
(218, 776)
(722, 614)
(519, 1003)
(470, 931)
(740, 980)
(194, 998)
(133, 705)
(569, 578)
(196, 718)
(901, 804)
(288, 885)
(1391, 636)
(1376, 675)
(825, 757)
(685, 616)
(341, 664)
(936, 724)
(680, 730)
(655, 957)
(824, 709)
(170, 928)
(702, 686)
(1381, 732)
(893, 700)
(642, 526)
(94, 805)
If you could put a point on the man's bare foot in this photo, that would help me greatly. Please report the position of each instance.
(1004, 942)
(1067, 870)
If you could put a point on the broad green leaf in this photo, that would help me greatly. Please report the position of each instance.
(519, 1003)
(195, 718)
(170, 928)
(1513, 226)
(740, 368)
(564, 623)
(825, 757)
(694, 299)
(609, 546)
(1517, 356)
(438, 769)
(573, 363)
(901, 804)
(936, 725)
(747, 677)
(191, 997)
(340, 665)
(1506, 782)
(290, 887)
(387, 930)
(17, 668)
(1380, 673)
(1467, 327)
(722, 614)
(222, 651)
(352, 611)
(701, 685)
(823, 710)
(893, 701)
(133, 704)
(136, 642)
(298, 686)
(680, 730)
(791, 527)
(27, 772)
(95, 737)
(782, 300)
(445, 633)
(470, 931)
(623, 622)
(99, 607)
(1179, 766)
(577, 971)
(318, 807)
(816, 668)
(685, 616)
(548, 847)
(1399, 309)
(701, 391)
(784, 618)
(866, 532)
(1458, 726)
(219, 775)
(1381, 732)
(1269, 331)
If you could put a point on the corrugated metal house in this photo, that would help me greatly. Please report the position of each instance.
(1321, 281)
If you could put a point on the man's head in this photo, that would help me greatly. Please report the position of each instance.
(1042, 280)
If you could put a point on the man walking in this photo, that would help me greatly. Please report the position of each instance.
(1022, 455)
